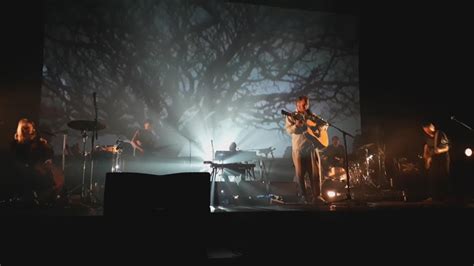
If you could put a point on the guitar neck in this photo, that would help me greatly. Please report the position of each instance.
(297, 116)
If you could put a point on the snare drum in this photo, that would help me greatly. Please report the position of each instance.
(336, 173)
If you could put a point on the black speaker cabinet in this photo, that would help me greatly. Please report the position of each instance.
(147, 194)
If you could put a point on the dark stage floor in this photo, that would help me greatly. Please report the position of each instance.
(76, 207)
(244, 235)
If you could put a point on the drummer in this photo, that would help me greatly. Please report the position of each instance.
(334, 153)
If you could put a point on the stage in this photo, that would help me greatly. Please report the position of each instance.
(339, 231)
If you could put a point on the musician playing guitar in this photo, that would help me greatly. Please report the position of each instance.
(144, 140)
(41, 180)
(306, 138)
(437, 161)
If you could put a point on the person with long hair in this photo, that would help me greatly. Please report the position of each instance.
(33, 162)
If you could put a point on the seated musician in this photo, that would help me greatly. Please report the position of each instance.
(233, 172)
(334, 158)
(144, 140)
(334, 153)
(33, 163)
(233, 147)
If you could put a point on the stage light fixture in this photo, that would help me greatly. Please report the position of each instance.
(468, 152)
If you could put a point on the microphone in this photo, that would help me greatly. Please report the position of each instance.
(452, 117)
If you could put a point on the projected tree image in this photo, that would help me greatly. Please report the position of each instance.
(191, 64)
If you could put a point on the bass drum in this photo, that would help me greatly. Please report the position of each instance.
(336, 173)
(339, 173)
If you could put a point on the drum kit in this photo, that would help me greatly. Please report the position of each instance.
(365, 169)
(86, 127)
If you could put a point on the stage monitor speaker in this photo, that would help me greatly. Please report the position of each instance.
(147, 194)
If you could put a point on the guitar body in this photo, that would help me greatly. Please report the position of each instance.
(316, 133)
(49, 173)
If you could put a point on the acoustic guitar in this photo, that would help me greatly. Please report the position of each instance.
(316, 128)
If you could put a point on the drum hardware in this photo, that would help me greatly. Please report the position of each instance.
(118, 164)
(84, 126)
(348, 195)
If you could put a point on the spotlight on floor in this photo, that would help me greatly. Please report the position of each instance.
(331, 194)
(468, 152)
(332, 190)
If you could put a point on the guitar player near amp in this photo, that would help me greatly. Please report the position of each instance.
(144, 140)
(306, 139)
(437, 162)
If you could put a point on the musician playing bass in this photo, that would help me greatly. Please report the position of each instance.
(304, 153)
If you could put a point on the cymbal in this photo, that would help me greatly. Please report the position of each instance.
(85, 125)
(366, 146)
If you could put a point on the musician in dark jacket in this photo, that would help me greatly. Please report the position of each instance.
(335, 153)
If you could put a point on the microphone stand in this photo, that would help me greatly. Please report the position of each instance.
(461, 123)
(213, 177)
(94, 137)
(346, 162)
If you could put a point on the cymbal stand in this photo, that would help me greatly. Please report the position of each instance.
(348, 198)
(84, 163)
(117, 162)
(63, 155)
(84, 153)
(367, 169)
